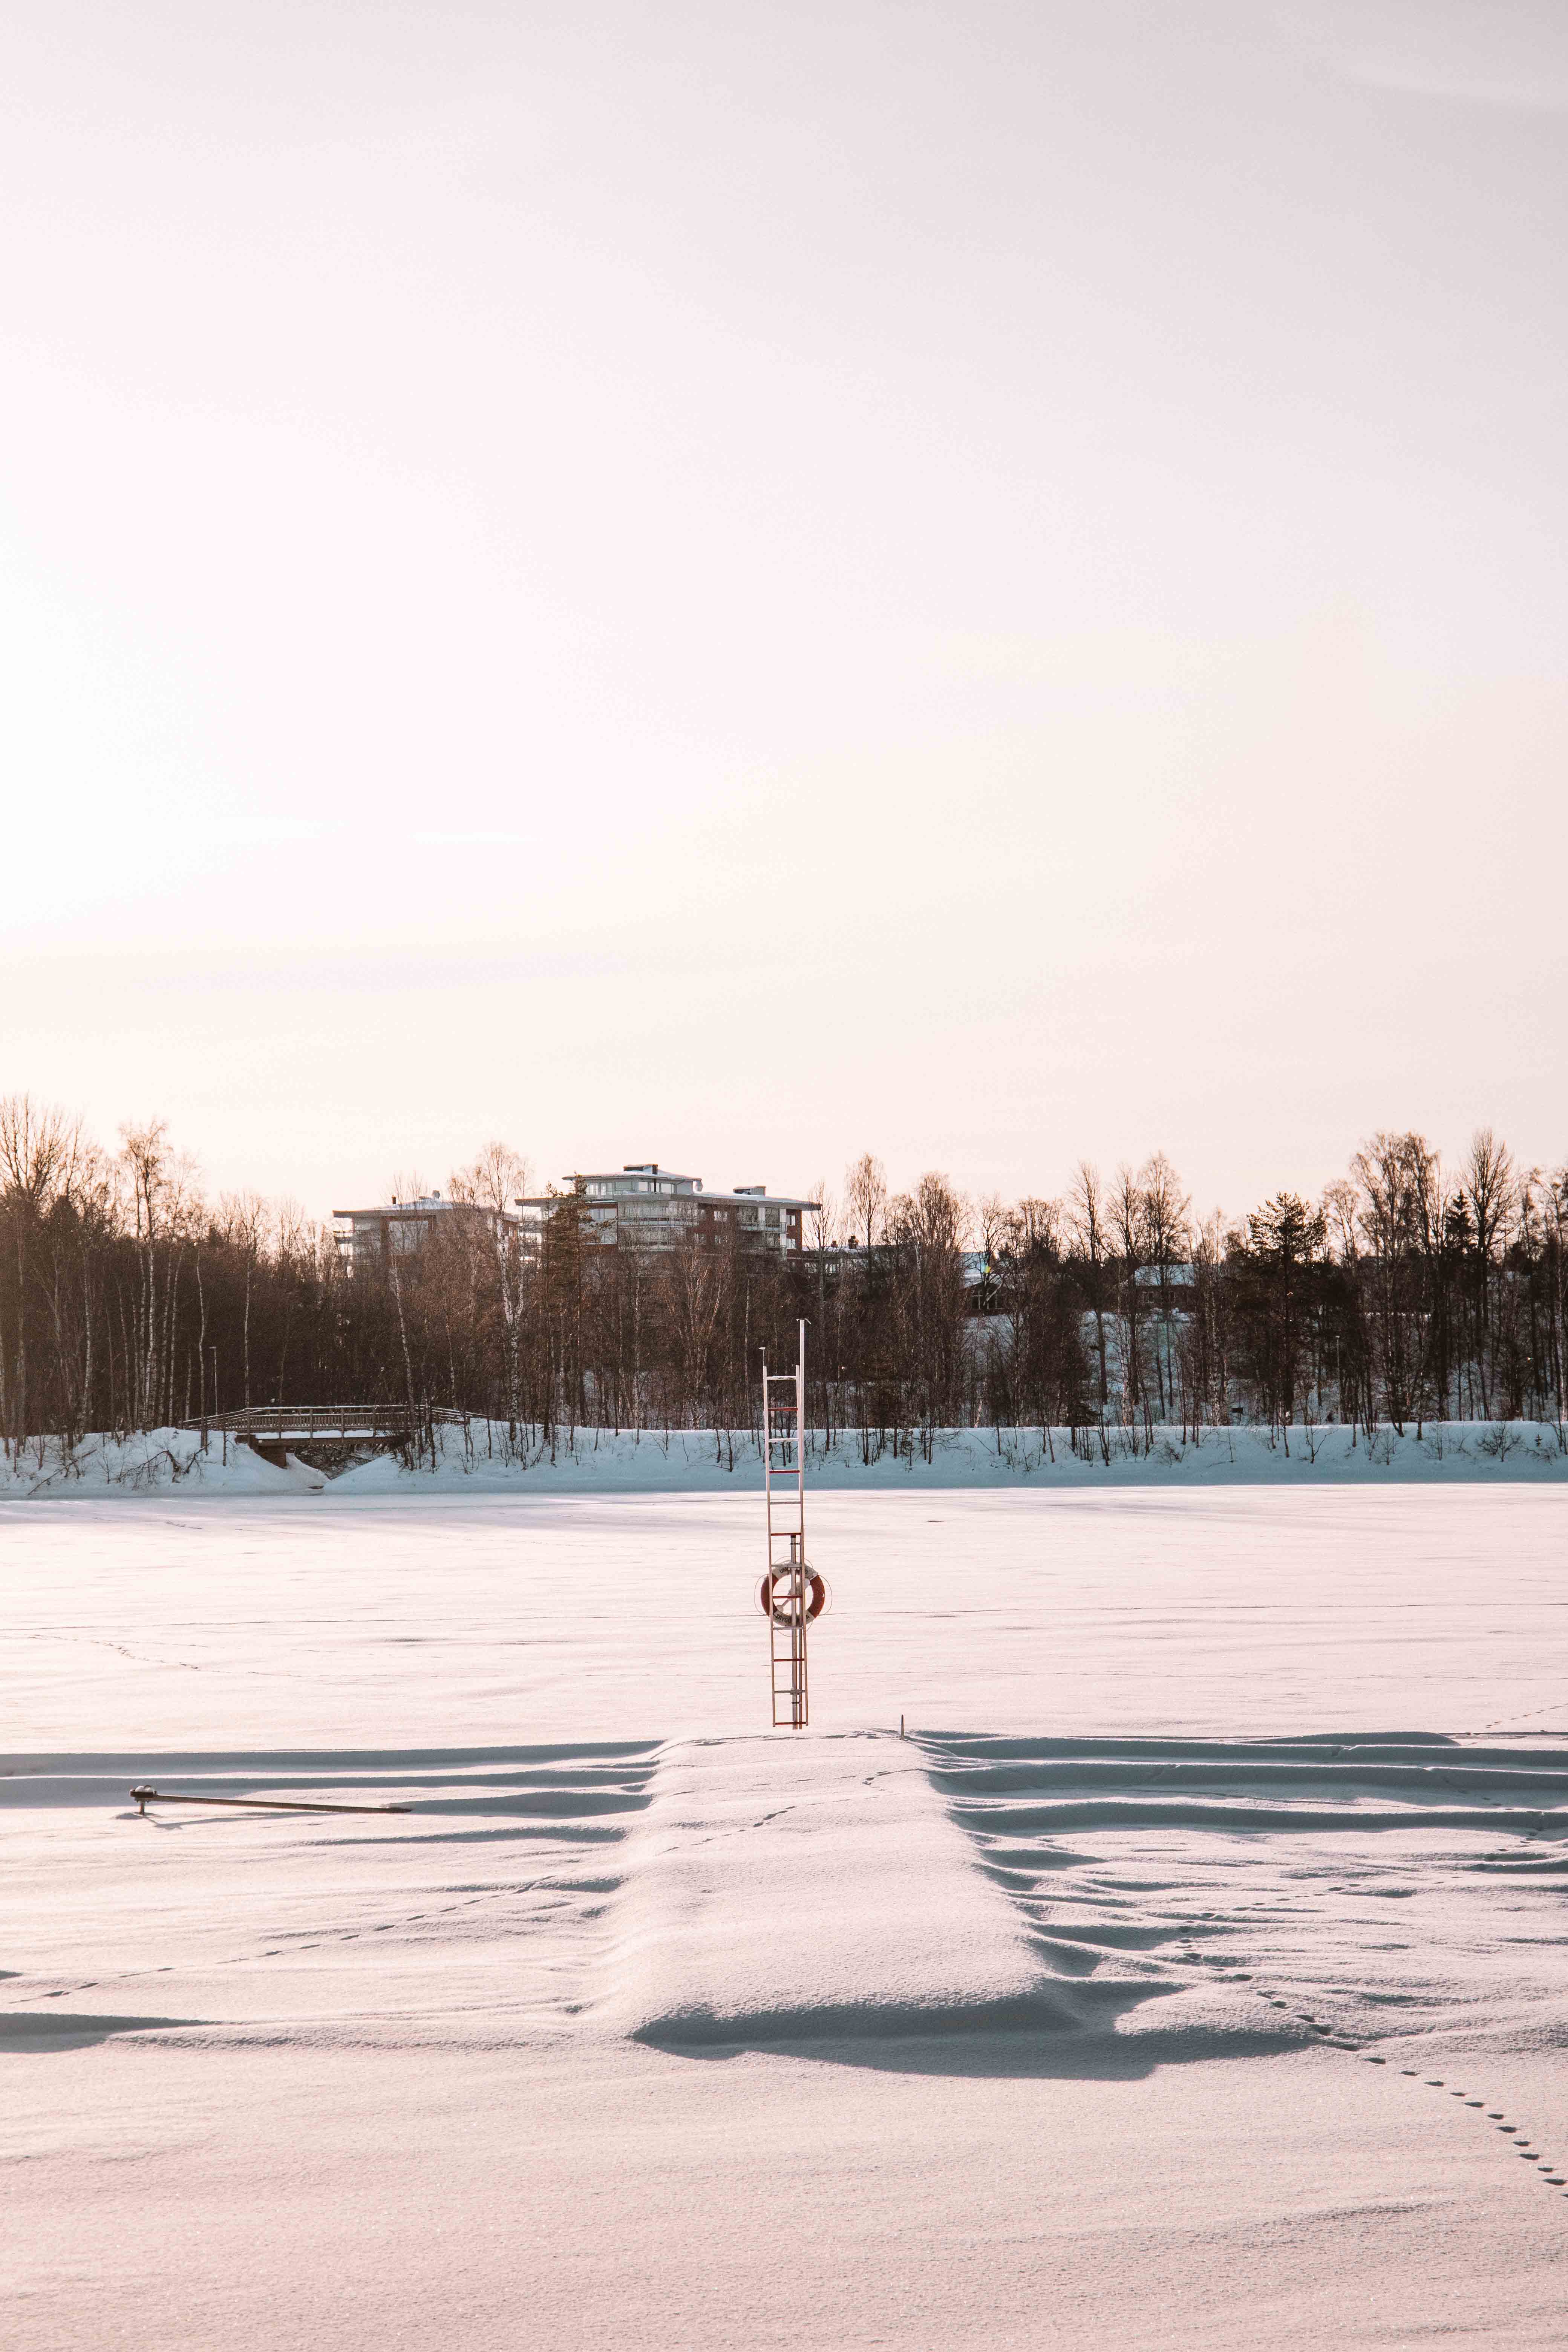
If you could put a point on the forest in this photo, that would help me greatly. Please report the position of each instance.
(1411, 1290)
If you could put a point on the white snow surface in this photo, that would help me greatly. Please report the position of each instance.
(778, 1888)
(1193, 1974)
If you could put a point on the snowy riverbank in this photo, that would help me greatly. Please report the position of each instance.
(479, 1459)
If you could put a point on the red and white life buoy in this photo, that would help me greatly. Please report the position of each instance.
(776, 1595)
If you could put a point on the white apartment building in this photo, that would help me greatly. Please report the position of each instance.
(648, 1207)
(643, 1207)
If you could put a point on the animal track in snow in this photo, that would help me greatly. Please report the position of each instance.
(1101, 1829)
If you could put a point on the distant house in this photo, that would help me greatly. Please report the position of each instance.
(1177, 1276)
(370, 1238)
(645, 1206)
(982, 1283)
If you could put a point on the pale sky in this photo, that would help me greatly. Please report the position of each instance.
(740, 583)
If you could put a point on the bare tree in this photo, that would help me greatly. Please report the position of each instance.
(495, 1180)
(1033, 1225)
(1167, 1234)
(492, 1184)
(162, 1206)
(695, 1288)
(39, 1148)
(1396, 1179)
(866, 1195)
(1207, 1338)
(245, 1219)
(1092, 1239)
(1128, 1225)
(822, 1232)
(1340, 1210)
(1486, 1184)
(927, 1227)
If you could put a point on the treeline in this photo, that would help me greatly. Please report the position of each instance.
(1410, 1291)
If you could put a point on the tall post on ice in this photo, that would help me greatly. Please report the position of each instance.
(790, 1594)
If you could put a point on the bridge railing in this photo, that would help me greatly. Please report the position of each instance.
(324, 1419)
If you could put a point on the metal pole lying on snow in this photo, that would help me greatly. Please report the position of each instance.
(145, 1797)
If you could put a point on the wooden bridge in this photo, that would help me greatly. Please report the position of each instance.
(276, 1431)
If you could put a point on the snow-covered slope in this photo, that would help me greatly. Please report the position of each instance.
(480, 1460)
(151, 1462)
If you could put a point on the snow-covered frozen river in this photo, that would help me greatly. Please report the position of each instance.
(1193, 1974)
(328, 1619)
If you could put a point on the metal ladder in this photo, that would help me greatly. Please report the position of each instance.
(789, 1583)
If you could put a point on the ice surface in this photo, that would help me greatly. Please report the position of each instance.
(322, 1621)
(1193, 1976)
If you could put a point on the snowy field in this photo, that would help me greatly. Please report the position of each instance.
(1193, 1974)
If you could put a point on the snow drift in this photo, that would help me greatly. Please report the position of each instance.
(792, 1888)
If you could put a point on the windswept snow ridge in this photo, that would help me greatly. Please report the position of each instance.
(1393, 1889)
(466, 1921)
